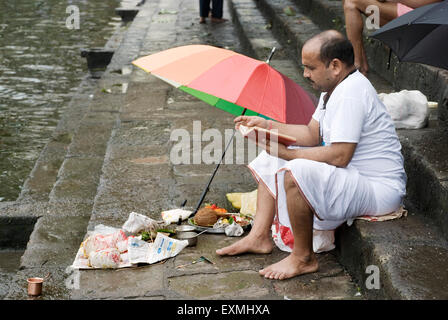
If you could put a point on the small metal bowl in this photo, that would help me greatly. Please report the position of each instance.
(35, 286)
(191, 237)
(185, 228)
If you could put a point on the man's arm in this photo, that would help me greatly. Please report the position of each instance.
(306, 135)
(338, 154)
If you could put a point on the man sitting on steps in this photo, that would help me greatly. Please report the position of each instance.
(348, 163)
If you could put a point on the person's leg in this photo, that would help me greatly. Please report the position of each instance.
(353, 11)
(259, 239)
(217, 8)
(302, 259)
(204, 9)
(217, 11)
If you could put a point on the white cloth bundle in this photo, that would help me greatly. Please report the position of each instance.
(408, 109)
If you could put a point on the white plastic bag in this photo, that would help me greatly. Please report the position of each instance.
(137, 222)
(234, 230)
(173, 215)
(407, 108)
(105, 259)
(100, 241)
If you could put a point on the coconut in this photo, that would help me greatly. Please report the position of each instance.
(206, 217)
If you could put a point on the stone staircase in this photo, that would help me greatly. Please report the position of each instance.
(410, 253)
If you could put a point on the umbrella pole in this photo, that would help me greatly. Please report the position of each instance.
(206, 189)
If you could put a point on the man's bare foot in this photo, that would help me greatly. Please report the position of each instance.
(201, 20)
(218, 20)
(290, 267)
(250, 243)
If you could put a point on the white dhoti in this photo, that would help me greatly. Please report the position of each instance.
(334, 194)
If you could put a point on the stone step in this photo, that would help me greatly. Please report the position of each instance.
(363, 239)
(409, 256)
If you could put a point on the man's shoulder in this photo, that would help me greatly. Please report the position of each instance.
(356, 86)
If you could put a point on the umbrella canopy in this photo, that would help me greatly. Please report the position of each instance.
(231, 81)
(420, 35)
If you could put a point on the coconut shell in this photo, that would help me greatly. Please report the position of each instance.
(205, 217)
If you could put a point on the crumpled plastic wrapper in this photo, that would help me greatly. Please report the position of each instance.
(173, 215)
(105, 259)
(116, 240)
(137, 222)
(234, 230)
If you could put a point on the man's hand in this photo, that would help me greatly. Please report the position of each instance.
(250, 121)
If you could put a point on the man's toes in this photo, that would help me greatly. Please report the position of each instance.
(282, 276)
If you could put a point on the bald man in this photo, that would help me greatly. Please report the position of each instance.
(347, 162)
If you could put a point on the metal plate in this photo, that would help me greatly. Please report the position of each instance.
(211, 229)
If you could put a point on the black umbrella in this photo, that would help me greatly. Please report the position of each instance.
(420, 35)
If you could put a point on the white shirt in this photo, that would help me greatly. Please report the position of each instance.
(355, 114)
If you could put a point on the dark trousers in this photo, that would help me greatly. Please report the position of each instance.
(204, 8)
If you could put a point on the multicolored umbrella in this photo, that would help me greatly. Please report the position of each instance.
(231, 81)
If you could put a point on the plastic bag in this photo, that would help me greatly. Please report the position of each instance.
(105, 259)
(172, 216)
(96, 242)
(137, 222)
(234, 230)
(407, 108)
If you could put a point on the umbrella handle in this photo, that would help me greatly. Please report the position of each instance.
(214, 172)
(270, 55)
(388, 62)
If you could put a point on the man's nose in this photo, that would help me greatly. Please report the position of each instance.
(306, 74)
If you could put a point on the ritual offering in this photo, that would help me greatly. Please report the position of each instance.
(214, 219)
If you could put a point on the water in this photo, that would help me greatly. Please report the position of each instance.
(40, 69)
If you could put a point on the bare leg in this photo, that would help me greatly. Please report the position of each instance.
(259, 239)
(354, 27)
(302, 259)
(353, 11)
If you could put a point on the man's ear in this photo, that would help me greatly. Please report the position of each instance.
(336, 66)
